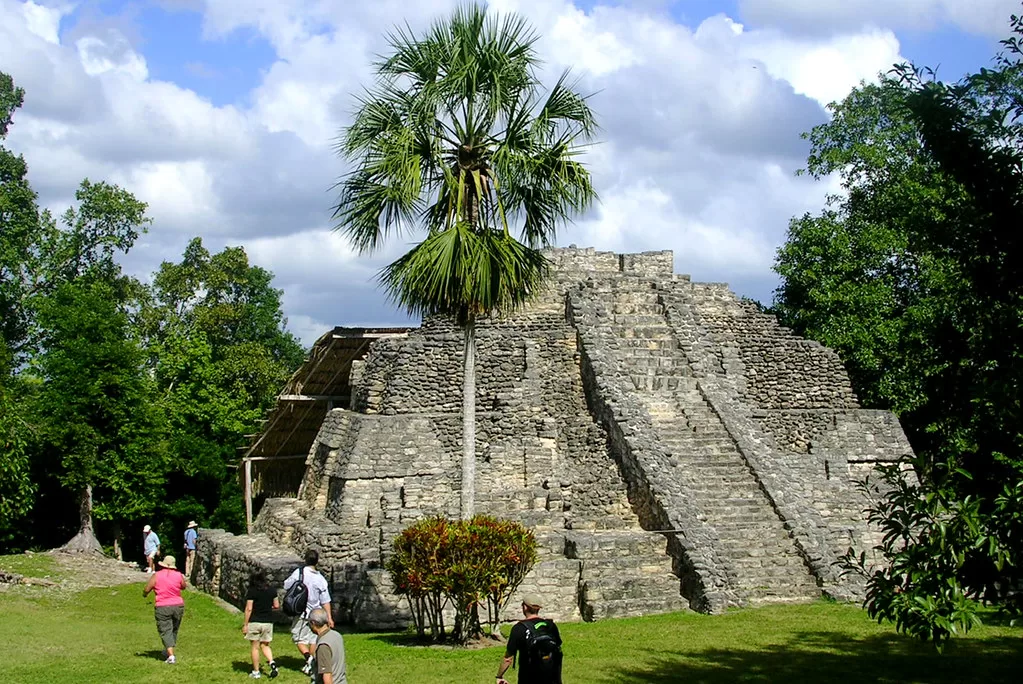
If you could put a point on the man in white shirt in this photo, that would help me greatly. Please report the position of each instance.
(151, 547)
(319, 597)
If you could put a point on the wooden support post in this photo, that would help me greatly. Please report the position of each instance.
(248, 495)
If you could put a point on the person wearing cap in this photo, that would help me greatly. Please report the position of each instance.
(518, 642)
(190, 535)
(151, 547)
(167, 583)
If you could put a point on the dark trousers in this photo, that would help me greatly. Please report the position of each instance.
(168, 620)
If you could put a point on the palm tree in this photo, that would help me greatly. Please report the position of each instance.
(457, 140)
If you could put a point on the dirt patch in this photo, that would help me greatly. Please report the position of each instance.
(73, 572)
(83, 571)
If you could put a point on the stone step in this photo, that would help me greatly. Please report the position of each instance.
(658, 332)
(612, 543)
(655, 382)
(620, 608)
(653, 584)
(644, 308)
(629, 319)
(633, 344)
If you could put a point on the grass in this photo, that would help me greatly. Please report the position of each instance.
(107, 635)
(31, 565)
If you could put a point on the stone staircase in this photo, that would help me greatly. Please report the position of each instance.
(761, 559)
(624, 573)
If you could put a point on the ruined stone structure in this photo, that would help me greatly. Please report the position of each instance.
(670, 445)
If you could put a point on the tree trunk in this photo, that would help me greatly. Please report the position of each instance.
(468, 500)
(118, 547)
(85, 541)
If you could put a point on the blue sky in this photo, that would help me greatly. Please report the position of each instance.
(220, 115)
(226, 69)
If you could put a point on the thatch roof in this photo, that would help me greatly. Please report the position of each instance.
(279, 450)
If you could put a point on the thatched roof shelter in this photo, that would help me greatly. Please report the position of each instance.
(274, 461)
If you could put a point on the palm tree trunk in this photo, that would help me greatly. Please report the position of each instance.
(468, 499)
(85, 541)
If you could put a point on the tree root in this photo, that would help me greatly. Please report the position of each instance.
(83, 542)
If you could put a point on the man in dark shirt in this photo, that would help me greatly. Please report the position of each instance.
(260, 603)
(530, 671)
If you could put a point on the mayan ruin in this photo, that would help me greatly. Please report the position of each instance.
(670, 445)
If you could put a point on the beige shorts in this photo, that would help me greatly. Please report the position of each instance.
(301, 632)
(260, 631)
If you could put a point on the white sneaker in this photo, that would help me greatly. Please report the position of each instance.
(171, 660)
(308, 667)
(255, 674)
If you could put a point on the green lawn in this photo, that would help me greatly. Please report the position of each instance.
(30, 565)
(108, 635)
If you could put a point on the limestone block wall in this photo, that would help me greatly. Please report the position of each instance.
(780, 370)
(798, 426)
(542, 458)
(829, 452)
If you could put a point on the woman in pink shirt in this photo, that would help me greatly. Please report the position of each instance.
(167, 582)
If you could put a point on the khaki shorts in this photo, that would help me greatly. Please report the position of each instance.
(260, 631)
(301, 632)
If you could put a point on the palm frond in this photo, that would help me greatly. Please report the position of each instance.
(465, 273)
(457, 138)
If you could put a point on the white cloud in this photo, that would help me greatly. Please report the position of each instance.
(983, 17)
(824, 70)
(44, 21)
(700, 133)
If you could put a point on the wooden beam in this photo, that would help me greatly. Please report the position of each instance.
(312, 397)
(275, 458)
(248, 495)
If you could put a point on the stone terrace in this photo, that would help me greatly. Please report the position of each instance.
(670, 446)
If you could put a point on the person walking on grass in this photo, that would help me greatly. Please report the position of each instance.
(318, 597)
(151, 547)
(537, 644)
(167, 583)
(330, 650)
(258, 627)
(190, 536)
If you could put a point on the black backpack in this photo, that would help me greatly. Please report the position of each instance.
(542, 654)
(296, 597)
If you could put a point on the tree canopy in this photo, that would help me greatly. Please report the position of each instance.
(132, 398)
(913, 274)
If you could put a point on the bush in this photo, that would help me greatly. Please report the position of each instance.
(437, 563)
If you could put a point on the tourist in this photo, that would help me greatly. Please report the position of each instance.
(258, 627)
(330, 650)
(537, 644)
(151, 547)
(319, 597)
(190, 536)
(167, 583)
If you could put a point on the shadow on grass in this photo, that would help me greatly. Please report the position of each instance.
(243, 666)
(827, 656)
(287, 662)
(284, 663)
(412, 640)
(155, 655)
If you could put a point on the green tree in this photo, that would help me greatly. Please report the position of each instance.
(96, 404)
(19, 218)
(38, 256)
(457, 140)
(19, 222)
(913, 275)
(219, 353)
